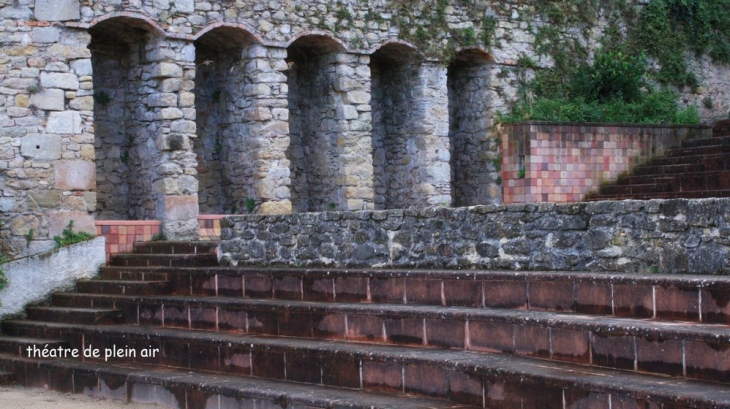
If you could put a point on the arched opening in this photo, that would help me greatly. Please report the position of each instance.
(117, 57)
(222, 102)
(470, 119)
(394, 72)
(313, 125)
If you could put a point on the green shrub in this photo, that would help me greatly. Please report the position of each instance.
(612, 76)
(69, 237)
(3, 278)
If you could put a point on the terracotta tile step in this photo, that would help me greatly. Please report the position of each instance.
(710, 161)
(563, 337)
(89, 316)
(690, 143)
(166, 260)
(176, 247)
(123, 287)
(628, 189)
(498, 381)
(667, 169)
(664, 297)
(700, 194)
(700, 150)
(138, 383)
(18, 345)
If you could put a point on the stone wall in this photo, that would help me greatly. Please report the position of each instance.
(109, 109)
(559, 163)
(656, 236)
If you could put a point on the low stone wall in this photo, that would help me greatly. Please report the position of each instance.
(655, 236)
(561, 162)
(32, 279)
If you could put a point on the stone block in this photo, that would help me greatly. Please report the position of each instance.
(49, 100)
(178, 207)
(346, 112)
(169, 113)
(16, 12)
(57, 10)
(167, 70)
(46, 198)
(82, 67)
(281, 207)
(187, 99)
(183, 127)
(60, 80)
(58, 220)
(184, 6)
(67, 122)
(7, 204)
(75, 175)
(82, 103)
(45, 35)
(358, 97)
(41, 147)
(162, 100)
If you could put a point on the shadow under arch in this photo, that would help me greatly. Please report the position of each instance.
(394, 69)
(118, 56)
(474, 179)
(224, 55)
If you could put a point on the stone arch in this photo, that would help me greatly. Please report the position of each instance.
(223, 71)
(315, 110)
(130, 19)
(394, 71)
(470, 121)
(117, 55)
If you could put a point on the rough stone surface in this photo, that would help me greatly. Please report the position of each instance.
(29, 279)
(668, 236)
(57, 10)
(41, 147)
(75, 175)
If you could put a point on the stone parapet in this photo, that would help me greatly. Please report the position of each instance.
(655, 236)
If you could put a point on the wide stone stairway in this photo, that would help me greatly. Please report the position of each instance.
(228, 337)
(699, 168)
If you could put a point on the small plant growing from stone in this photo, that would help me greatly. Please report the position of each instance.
(29, 237)
(498, 180)
(33, 89)
(332, 205)
(250, 204)
(3, 277)
(159, 237)
(69, 236)
(102, 98)
(707, 102)
(521, 173)
(124, 157)
(217, 95)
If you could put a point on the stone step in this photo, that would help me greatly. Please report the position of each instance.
(589, 340)
(699, 150)
(628, 189)
(139, 383)
(497, 381)
(7, 378)
(659, 170)
(165, 260)
(123, 287)
(175, 247)
(715, 141)
(18, 345)
(89, 316)
(658, 296)
(701, 194)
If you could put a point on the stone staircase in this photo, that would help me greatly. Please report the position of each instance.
(231, 337)
(700, 168)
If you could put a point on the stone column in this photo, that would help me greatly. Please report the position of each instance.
(267, 118)
(354, 137)
(429, 130)
(168, 119)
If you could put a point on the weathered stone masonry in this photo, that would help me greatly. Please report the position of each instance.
(164, 109)
(655, 236)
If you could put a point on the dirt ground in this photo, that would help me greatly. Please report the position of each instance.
(37, 398)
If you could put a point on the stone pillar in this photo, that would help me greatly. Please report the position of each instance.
(168, 123)
(429, 133)
(267, 118)
(354, 137)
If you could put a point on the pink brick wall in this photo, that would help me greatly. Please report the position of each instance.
(563, 162)
(121, 234)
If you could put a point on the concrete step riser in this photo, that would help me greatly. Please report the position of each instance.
(123, 288)
(648, 351)
(154, 260)
(464, 383)
(175, 247)
(684, 300)
(76, 317)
